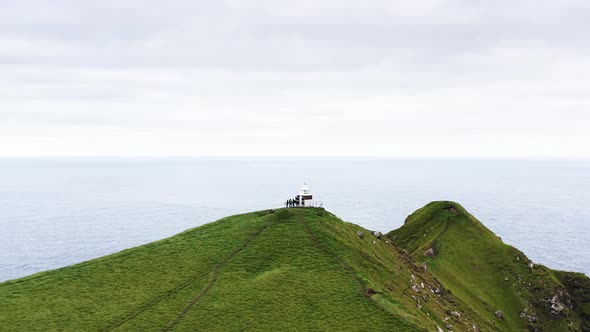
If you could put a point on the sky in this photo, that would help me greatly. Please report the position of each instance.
(374, 78)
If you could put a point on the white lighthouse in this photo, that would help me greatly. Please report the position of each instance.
(305, 198)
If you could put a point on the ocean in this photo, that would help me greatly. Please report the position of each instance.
(56, 212)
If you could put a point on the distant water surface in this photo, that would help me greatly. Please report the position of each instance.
(56, 212)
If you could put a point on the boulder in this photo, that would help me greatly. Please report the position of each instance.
(455, 314)
(475, 328)
(499, 314)
(429, 252)
(360, 234)
(377, 234)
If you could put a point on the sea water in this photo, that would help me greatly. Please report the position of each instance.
(57, 212)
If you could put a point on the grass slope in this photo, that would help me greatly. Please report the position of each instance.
(283, 270)
(489, 275)
(293, 269)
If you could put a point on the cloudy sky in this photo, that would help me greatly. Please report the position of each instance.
(320, 78)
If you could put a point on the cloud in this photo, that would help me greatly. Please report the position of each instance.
(383, 78)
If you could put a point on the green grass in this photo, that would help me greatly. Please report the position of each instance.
(482, 271)
(289, 269)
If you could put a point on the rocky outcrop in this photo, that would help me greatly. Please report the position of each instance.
(560, 301)
(455, 314)
(529, 318)
(429, 253)
(360, 234)
(424, 267)
(499, 314)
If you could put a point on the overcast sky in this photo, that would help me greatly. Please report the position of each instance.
(320, 78)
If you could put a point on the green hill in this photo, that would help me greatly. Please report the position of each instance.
(489, 275)
(303, 269)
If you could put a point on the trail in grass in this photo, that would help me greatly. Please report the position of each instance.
(345, 265)
(214, 270)
(348, 268)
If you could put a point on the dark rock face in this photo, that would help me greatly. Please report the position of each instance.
(560, 301)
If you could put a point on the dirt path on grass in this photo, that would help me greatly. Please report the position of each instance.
(214, 271)
(345, 266)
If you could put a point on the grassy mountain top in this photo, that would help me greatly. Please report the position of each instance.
(490, 276)
(300, 269)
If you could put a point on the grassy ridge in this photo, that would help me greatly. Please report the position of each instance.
(299, 269)
(487, 274)
(257, 271)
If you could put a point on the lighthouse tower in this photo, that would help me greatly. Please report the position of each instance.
(305, 197)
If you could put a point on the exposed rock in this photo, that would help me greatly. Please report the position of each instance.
(421, 285)
(360, 234)
(415, 288)
(560, 301)
(449, 327)
(424, 267)
(429, 253)
(455, 314)
(531, 265)
(413, 277)
(377, 234)
(475, 328)
(499, 314)
(452, 209)
(528, 317)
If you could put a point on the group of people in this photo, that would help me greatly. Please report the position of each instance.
(291, 203)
